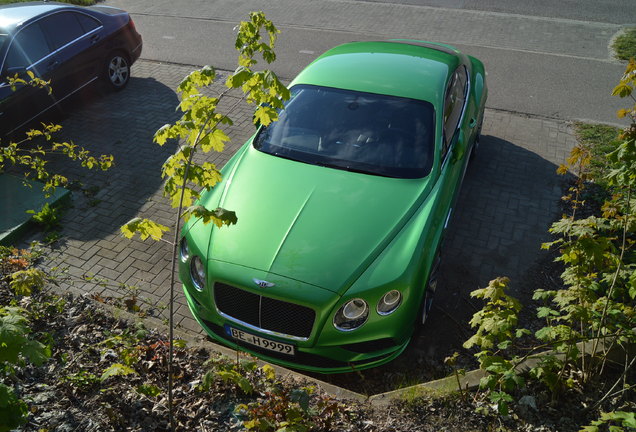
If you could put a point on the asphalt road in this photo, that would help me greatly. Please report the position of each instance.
(551, 66)
(608, 11)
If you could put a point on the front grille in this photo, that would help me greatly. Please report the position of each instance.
(264, 312)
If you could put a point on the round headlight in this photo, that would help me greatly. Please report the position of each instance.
(197, 273)
(184, 250)
(389, 302)
(351, 315)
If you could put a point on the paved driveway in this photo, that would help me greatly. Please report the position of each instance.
(510, 196)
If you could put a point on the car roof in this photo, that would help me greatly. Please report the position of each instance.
(406, 68)
(14, 14)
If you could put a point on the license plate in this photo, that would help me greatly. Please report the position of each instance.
(261, 342)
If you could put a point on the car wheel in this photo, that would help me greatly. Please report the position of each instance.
(117, 73)
(476, 144)
(431, 287)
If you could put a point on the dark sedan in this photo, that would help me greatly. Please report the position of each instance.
(70, 46)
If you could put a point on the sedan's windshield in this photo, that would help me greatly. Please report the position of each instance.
(363, 132)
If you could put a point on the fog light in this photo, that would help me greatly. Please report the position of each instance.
(351, 315)
(197, 273)
(389, 302)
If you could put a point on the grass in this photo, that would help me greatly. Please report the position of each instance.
(625, 45)
(77, 2)
(601, 139)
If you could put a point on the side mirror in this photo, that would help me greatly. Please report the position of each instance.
(459, 146)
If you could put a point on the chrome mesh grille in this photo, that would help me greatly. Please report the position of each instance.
(264, 312)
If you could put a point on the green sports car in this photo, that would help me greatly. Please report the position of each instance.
(342, 204)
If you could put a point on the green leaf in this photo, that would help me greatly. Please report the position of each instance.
(269, 372)
(13, 411)
(117, 369)
(522, 332)
(15, 344)
(149, 390)
(36, 352)
(180, 343)
(24, 282)
(301, 397)
(625, 418)
(219, 216)
(265, 115)
(543, 312)
(622, 90)
(214, 141)
(145, 228)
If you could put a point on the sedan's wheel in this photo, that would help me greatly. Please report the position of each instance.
(431, 287)
(117, 71)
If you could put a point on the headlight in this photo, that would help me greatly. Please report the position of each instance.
(351, 315)
(389, 302)
(184, 250)
(197, 273)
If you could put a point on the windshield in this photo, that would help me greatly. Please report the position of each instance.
(362, 132)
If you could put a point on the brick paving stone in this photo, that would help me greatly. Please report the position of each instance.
(509, 197)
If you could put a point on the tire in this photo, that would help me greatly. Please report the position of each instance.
(117, 71)
(475, 149)
(429, 294)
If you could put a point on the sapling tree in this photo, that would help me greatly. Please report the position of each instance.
(199, 130)
(594, 311)
(597, 251)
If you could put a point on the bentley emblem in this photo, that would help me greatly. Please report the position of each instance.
(263, 283)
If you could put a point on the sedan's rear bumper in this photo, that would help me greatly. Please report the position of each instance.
(135, 53)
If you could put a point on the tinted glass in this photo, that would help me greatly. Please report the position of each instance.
(454, 103)
(4, 42)
(62, 28)
(362, 132)
(28, 47)
(88, 23)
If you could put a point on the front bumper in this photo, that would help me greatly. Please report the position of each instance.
(331, 359)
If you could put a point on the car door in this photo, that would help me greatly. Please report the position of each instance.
(73, 36)
(28, 51)
(454, 141)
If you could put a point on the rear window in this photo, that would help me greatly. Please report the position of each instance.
(355, 131)
(62, 28)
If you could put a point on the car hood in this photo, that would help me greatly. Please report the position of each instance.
(316, 225)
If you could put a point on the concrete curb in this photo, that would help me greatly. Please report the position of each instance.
(201, 342)
(16, 199)
(469, 381)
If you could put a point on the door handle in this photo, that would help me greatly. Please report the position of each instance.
(472, 123)
(94, 38)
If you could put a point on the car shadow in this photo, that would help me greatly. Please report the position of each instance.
(509, 199)
(121, 124)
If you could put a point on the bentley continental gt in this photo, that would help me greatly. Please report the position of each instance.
(342, 205)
